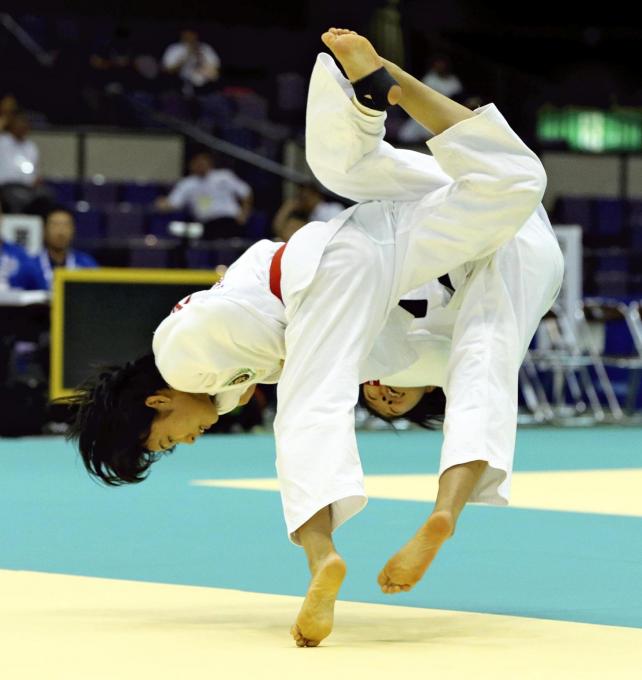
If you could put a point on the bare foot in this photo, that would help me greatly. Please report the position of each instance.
(314, 622)
(357, 56)
(406, 568)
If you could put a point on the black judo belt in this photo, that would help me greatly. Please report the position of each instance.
(419, 308)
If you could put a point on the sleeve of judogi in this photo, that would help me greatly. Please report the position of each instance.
(346, 151)
(200, 348)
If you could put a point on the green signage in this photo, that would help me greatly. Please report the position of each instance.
(591, 129)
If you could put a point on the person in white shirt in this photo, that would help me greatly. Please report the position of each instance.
(320, 315)
(214, 196)
(21, 187)
(19, 155)
(196, 63)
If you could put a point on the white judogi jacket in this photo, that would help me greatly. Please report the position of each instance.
(340, 323)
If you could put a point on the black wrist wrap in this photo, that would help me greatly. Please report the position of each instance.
(372, 91)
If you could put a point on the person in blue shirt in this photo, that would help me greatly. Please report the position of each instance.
(59, 233)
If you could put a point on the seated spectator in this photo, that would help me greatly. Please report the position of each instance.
(196, 63)
(216, 197)
(16, 268)
(18, 154)
(60, 229)
(21, 188)
(291, 223)
(308, 201)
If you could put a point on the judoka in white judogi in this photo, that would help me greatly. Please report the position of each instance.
(418, 217)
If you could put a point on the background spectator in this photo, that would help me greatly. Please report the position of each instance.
(308, 202)
(18, 154)
(196, 63)
(16, 268)
(20, 184)
(216, 197)
(58, 252)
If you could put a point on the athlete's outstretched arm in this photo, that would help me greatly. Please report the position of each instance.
(347, 153)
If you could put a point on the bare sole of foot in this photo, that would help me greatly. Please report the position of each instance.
(405, 569)
(315, 619)
(357, 56)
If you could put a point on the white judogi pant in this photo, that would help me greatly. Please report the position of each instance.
(343, 326)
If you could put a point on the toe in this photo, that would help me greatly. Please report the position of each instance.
(391, 588)
(328, 38)
(296, 634)
(382, 579)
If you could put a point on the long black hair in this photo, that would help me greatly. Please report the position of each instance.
(427, 413)
(111, 422)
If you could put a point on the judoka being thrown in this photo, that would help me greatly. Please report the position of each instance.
(322, 316)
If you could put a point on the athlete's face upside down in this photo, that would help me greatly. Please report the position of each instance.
(392, 402)
(180, 418)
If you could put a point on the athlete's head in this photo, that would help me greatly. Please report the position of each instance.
(126, 417)
(424, 406)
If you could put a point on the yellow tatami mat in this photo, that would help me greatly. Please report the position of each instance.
(611, 492)
(58, 627)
